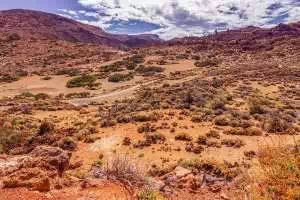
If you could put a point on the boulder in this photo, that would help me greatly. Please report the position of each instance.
(35, 170)
(181, 171)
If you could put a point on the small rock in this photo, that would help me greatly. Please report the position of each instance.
(42, 185)
(224, 196)
(181, 171)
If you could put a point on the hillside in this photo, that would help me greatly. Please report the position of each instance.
(46, 26)
(191, 118)
(34, 41)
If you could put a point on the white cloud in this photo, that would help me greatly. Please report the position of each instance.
(179, 18)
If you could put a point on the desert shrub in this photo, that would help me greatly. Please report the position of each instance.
(78, 95)
(148, 70)
(155, 138)
(216, 83)
(222, 121)
(120, 77)
(81, 81)
(206, 63)
(115, 67)
(144, 117)
(126, 141)
(251, 131)
(67, 144)
(10, 139)
(213, 134)
(41, 96)
(27, 94)
(196, 57)
(278, 175)
(131, 66)
(45, 127)
(107, 123)
(158, 171)
(201, 139)
(237, 143)
(218, 104)
(98, 163)
(70, 72)
(274, 124)
(182, 56)
(137, 59)
(8, 78)
(197, 118)
(258, 105)
(125, 170)
(183, 137)
(146, 128)
(46, 78)
(210, 167)
(149, 194)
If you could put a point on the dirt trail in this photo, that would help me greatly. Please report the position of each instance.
(122, 93)
(109, 96)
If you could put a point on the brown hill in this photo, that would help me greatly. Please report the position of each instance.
(42, 42)
(45, 26)
(249, 33)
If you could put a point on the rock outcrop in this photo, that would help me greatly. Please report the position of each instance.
(36, 170)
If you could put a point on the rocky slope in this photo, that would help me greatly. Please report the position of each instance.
(28, 24)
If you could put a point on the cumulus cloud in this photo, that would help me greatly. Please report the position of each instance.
(178, 18)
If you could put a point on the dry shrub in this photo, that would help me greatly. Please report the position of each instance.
(237, 143)
(251, 131)
(279, 174)
(213, 134)
(222, 121)
(258, 105)
(125, 170)
(211, 167)
(274, 124)
(183, 137)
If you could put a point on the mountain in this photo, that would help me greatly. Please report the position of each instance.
(45, 26)
(250, 33)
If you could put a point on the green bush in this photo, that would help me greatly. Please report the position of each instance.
(137, 59)
(148, 70)
(8, 78)
(131, 66)
(147, 195)
(115, 78)
(41, 96)
(114, 67)
(78, 95)
(82, 81)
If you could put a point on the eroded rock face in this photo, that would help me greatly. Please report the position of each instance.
(35, 170)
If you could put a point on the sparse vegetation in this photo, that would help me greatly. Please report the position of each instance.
(82, 81)
(120, 77)
(183, 137)
(278, 175)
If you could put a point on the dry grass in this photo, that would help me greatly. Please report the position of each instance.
(279, 174)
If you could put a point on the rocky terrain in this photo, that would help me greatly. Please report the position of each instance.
(214, 117)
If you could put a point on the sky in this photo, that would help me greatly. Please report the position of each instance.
(168, 18)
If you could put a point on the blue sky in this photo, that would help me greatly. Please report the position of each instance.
(168, 18)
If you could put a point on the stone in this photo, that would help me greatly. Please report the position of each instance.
(181, 171)
(42, 185)
(224, 196)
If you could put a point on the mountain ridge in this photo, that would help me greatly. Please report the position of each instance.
(48, 26)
